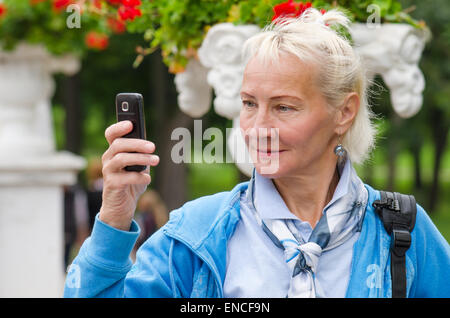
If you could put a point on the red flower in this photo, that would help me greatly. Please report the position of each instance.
(290, 9)
(128, 13)
(116, 25)
(284, 9)
(128, 10)
(115, 2)
(59, 5)
(131, 3)
(302, 8)
(2, 10)
(126, 3)
(97, 41)
(97, 4)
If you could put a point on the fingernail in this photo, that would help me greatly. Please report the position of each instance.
(126, 123)
(150, 147)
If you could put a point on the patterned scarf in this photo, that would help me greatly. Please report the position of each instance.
(341, 218)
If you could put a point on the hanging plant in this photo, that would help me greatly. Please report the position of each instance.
(62, 26)
(178, 27)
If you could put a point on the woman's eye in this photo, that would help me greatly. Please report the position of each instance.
(284, 108)
(248, 103)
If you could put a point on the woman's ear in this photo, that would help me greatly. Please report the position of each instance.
(347, 113)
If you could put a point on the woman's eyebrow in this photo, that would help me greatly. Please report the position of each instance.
(244, 94)
(298, 99)
(286, 96)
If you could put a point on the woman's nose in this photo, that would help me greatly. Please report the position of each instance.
(263, 123)
(262, 130)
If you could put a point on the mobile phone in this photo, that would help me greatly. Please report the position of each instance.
(130, 106)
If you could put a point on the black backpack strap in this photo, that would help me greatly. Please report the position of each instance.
(398, 213)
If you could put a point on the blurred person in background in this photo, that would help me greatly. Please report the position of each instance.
(80, 207)
(151, 214)
(95, 188)
(76, 221)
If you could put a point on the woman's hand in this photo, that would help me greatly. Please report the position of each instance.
(121, 188)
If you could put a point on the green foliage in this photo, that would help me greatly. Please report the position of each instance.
(435, 61)
(179, 26)
(361, 10)
(103, 75)
(40, 23)
(200, 181)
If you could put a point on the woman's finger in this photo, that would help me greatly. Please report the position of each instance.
(122, 179)
(128, 145)
(118, 130)
(123, 159)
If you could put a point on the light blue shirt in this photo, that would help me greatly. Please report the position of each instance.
(257, 268)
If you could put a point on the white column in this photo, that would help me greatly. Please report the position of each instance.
(32, 174)
(32, 223)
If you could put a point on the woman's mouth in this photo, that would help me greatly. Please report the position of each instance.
(268, 152)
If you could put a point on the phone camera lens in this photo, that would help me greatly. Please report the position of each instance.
(125, 106)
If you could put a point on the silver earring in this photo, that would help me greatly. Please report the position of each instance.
(339, 150)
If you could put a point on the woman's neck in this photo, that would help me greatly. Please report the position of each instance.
(308, 193)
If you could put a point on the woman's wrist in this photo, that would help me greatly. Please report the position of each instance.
(120, 223)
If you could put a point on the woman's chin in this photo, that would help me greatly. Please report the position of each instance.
(269, 170)
(267, 165)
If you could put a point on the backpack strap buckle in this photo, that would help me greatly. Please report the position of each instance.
(387, 203)
(400, 241)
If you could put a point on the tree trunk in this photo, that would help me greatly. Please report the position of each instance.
(72, 105)
(393, 150)
(417, 166)
(169, 179)
(172, 177)
(440, 131)
(392, 155)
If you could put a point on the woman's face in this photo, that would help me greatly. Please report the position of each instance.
(284, 96)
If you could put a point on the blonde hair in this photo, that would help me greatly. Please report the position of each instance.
(340, 70)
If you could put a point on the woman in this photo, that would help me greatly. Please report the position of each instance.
(305, 229)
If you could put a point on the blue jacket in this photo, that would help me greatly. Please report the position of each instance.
(187, 257)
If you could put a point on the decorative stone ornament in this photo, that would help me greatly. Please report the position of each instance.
(393, 51)
(221, 53)
(26, 87)
(194, 92)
